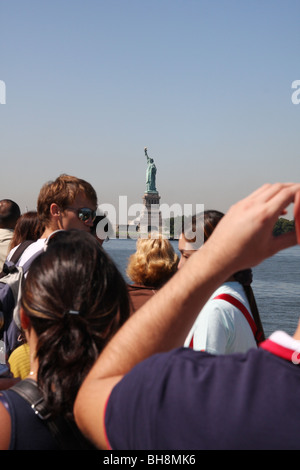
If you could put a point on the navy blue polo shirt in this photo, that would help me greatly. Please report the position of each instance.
(191, 400)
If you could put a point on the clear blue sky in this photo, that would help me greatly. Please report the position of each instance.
(204, 84)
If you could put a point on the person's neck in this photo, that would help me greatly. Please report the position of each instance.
(230, 279)
(47, 232)
(32, 343)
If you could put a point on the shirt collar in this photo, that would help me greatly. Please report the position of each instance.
(282, 345)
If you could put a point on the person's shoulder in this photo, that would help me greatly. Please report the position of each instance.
(31, 250)
(5, 425)
(12, 251)
(6, 232)
(233, 289)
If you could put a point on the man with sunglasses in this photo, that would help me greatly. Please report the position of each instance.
(64, 204)
(67, 203)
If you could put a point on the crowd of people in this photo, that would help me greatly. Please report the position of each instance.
(177, 359)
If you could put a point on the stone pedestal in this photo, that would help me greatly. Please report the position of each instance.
(150, 218)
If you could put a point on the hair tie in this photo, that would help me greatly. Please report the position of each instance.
(72, 312)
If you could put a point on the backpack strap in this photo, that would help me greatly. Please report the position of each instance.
(30, 392)
(10, 266)
(20, 250)
(64, 431)
(232, 300)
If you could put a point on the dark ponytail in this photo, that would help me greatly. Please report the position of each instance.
(76, 300)
(245, 279)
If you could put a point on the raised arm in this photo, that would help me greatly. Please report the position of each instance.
(243, 238)
(146, 154)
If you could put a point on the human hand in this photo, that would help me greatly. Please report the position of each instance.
(244, 237)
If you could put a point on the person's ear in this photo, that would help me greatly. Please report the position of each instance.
(55, 210)
(297, 215)
(24, 319)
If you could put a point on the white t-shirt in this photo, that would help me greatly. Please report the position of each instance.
(220, 327)
(6, 235)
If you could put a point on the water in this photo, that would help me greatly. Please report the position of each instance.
(276, 284)
(276, 287)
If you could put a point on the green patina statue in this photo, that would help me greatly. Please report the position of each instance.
(150, 174)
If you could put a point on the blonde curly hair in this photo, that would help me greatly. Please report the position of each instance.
(153, 263)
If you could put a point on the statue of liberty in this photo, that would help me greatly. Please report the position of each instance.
(150, 174)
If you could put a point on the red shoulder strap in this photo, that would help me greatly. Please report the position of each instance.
(232, 300)
(242, 308)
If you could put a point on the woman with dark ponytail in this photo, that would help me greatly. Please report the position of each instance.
(74, 300)
(230, 321)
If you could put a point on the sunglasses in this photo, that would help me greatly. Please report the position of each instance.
(84, 213)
